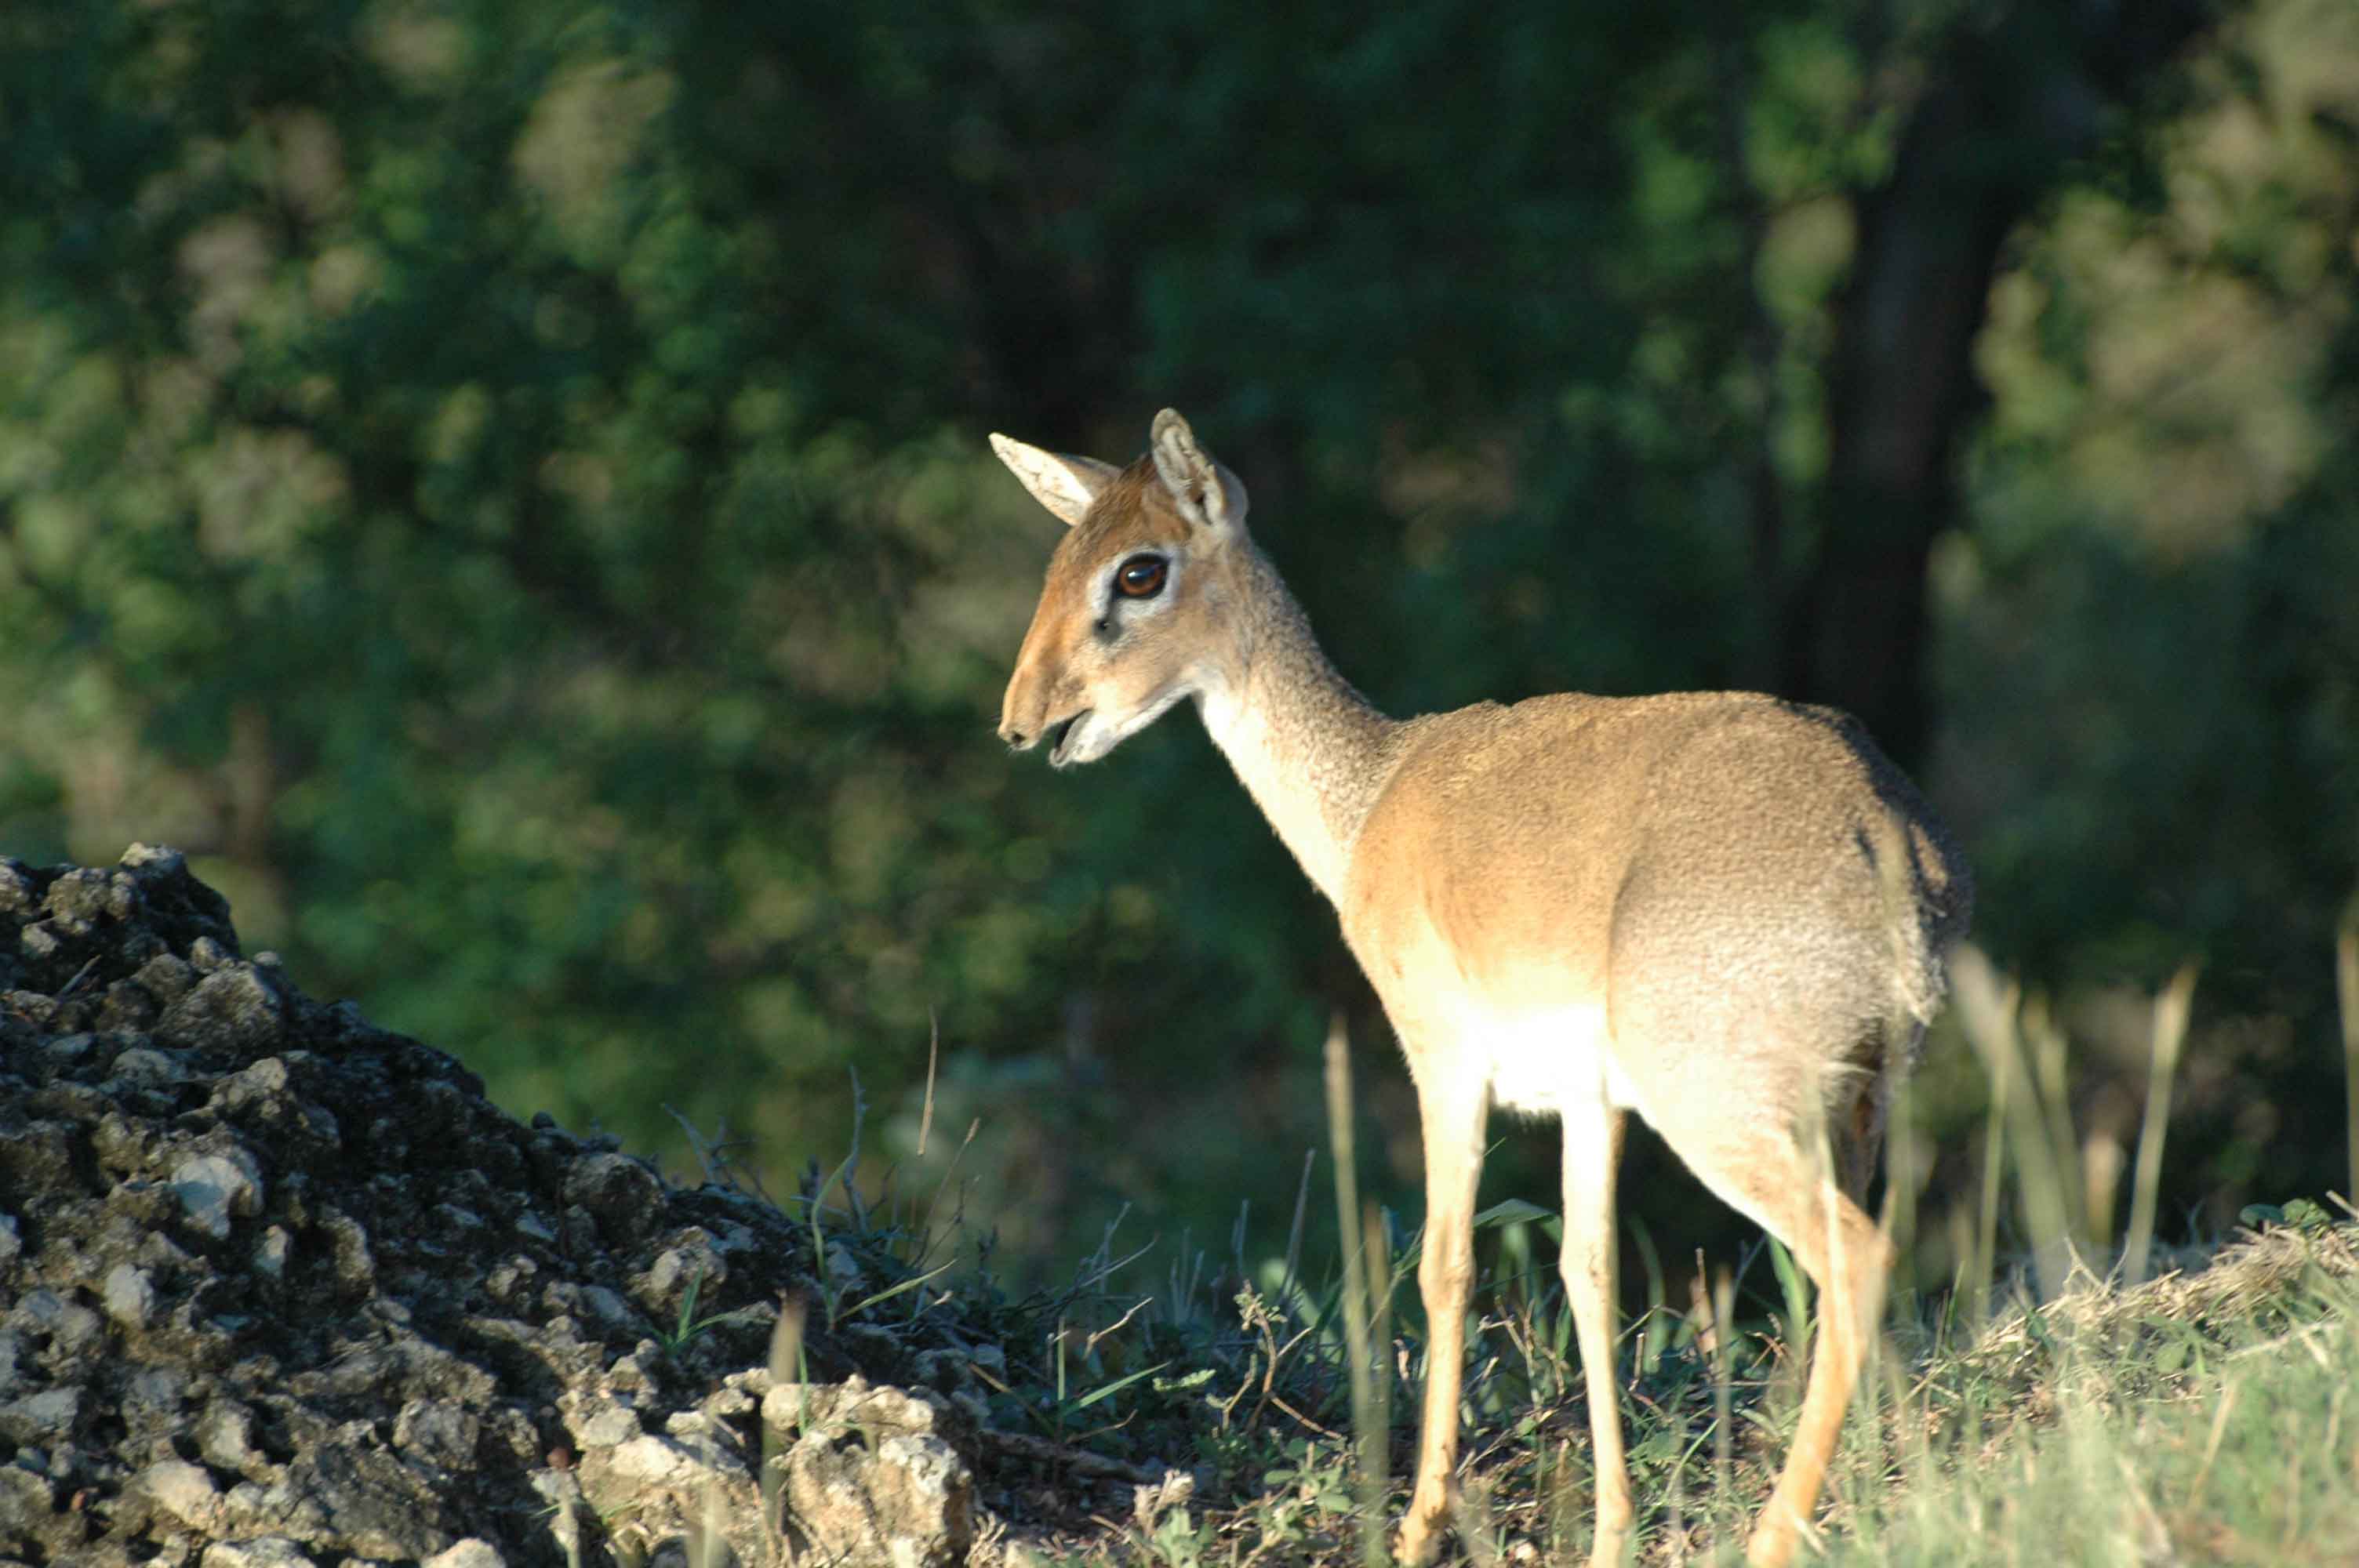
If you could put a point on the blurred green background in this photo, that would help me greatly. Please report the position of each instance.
(502, 483)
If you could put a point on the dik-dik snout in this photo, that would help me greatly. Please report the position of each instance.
(1042, 699)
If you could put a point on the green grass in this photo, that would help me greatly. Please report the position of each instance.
(2151, 1433)
(2030, 1411)
(2200, 1418)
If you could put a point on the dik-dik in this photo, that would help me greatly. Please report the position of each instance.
(1722, 911)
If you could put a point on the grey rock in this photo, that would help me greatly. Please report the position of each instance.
(129, 1294)
(46, 1417)
(156, 1390)
(666, 1486)
(355, 1264)
(532, 1225)
(78, 1330)
(83, 897)
(471, 1552)
(40, 1309)
(440, 1433)
(71, 1048)
(226, 1438)
(612, 1310)
(271, 1253)
(157, 1252)
(26, 1500)
(184, 1491)
(19, 892)
(348, 1490)
(166, 977)
(871, 1478)
(237, 1007)
(621, 1194)
(260, 1083)
(511, 1281)
(122, 1144)
(145, 1067)
(215, 1188)
(263, 1552)
(692, 1261)
(128, 1005)
(635, 1373)
(161, 859)
(568, 1508)
(610, 1424)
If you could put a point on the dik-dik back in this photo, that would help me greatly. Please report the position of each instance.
(1735, 872)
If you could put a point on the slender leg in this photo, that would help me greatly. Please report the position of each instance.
(1790, 1190)
(1849, 1257)
(1454, 1115)
(1592, 1152)
(1850, 1269)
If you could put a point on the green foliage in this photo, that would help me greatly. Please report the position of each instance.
(503, 484)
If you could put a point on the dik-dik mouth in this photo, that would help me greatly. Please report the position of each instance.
(1062, 735)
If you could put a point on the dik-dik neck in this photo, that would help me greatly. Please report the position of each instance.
(1311, 751)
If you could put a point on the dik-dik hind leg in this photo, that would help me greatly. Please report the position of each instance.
(1592, 1152)
(1772, 1176)
(1452, 1114)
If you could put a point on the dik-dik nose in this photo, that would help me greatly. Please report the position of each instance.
(1022, 711)
(1014, 728)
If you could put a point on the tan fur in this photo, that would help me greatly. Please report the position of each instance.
(1722, 911)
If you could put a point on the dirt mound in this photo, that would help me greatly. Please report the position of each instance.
(279, 1286)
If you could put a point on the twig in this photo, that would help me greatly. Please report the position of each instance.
(933, 1054)
(1092, 1342)
(80, 975)
(1305, 1420)
(1024, 1446)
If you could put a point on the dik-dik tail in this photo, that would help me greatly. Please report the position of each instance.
(1928, 898)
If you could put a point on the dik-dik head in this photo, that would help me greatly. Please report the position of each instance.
(1129, 619)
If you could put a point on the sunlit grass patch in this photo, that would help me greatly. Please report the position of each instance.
(2202, 1417)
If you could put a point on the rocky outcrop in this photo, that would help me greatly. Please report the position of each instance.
(279, 1287)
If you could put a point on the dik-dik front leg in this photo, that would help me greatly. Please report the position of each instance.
(1452, 1108)
(1592, 1152)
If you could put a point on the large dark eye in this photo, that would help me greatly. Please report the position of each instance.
(1141, 577)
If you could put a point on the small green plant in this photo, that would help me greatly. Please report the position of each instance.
(684, 1331)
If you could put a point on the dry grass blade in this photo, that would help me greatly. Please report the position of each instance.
(2239, 1281)
(2346, 992)
(785, 1366)
(1989, 1008)
(1294, 1232)
(2211, 1444)
(933, 1060)
(2170, 1014)
(1358, 1333)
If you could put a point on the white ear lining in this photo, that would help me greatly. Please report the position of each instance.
(1065, 485)
(1207, 493)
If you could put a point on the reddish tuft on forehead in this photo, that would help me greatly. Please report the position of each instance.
(1135, 510)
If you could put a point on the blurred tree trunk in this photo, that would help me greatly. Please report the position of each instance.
(2015, 104)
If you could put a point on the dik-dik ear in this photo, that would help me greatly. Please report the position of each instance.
(1065, 485)
(1209, 495)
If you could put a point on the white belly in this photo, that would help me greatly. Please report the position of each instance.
(1542, 1062)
